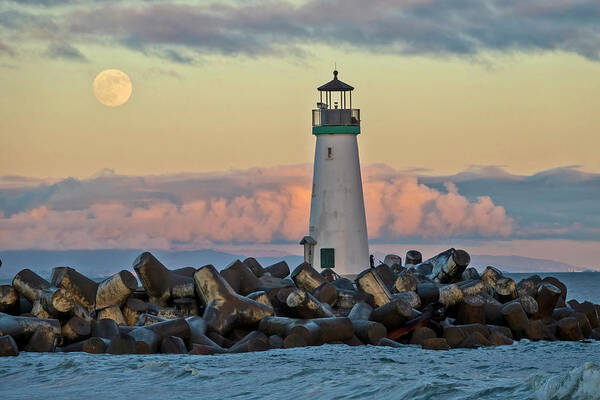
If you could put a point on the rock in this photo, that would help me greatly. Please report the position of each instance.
(568, 329)
(225, 308)
(104, 328)
(516, 319)
(504, 330)
(386, 274)
(450, 295)
(557, 283)
(326, 293)
(435, 344)
(449, 265)
(328, 274)
(294, 340)
(535, 330)
(550, 331)
(29, 285)
(159, 281)
(392, 259)
(344, 283)
(393, 314)
(112, 312)
(428, 293)
(528, 286)
(147, 319)
(335, 329)
(76, 330)
(584, 324)
(595, 334)
(369, 332)
(9, 299)
(413, 257)
(95, 345)
(132, 310)
(475, 340)
(275, 342)
(186, 307)
(121, 344)
(360, 311)
(278, 270)
(493, 310)
(254, 341)
(490, 276)
(505, 290)
(471, 311)
(205, 350)
(79, 288)
(470, 274)
(546, 298)
(412, 298)
(498, 339)
(307, 278)
(8, 347)
(349, 298)
(22, 328)
(369, 282)
(304, 305)
(354, 341)
(588, 309)
(173, 345)
(421, 334)
(115, 289)
(405, 282)
(260, 297)
(562, 312)
(253, 265)
(425, 268)
(284, 327)
(455, 335)
(473, 288)
(43, 340)
(529, 304)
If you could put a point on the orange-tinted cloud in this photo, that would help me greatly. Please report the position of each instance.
(250, 206)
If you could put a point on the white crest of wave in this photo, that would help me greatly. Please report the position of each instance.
(581, 383)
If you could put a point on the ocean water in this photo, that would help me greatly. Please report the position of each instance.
(525, 370)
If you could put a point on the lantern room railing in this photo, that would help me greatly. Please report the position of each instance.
(324, 117)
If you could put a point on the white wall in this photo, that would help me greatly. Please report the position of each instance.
(337, 212)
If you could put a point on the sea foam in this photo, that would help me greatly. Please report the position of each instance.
(581, 383)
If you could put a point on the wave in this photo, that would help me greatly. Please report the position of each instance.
(581, 383)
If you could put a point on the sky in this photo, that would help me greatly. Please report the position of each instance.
(479, 122)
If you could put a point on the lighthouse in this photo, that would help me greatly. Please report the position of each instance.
(338, 228)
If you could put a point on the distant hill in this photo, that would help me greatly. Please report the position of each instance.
(520, 264)
(98, 263)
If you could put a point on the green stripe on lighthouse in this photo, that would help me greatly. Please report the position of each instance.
(336, 129)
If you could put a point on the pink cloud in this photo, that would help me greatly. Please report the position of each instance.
(251, 206)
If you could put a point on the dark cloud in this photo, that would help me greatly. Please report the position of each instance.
(65, 51)
(432, 27)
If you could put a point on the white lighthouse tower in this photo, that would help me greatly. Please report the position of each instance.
(338, 227)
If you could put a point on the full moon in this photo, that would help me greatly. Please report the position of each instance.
(112, 87)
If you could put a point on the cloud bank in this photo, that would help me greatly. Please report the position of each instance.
(275, 27)
(247, 206)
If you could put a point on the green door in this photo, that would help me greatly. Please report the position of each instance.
(327, 258)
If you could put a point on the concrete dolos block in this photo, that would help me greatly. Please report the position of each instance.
(225, 308)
